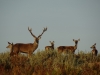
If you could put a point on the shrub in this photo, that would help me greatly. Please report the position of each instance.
(49, 63)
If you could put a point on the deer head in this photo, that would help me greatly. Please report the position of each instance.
(52, 43)
(76, 41)
(37, 38)
(9, 45)
(93, 46)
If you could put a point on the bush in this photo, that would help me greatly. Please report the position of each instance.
(50, 63)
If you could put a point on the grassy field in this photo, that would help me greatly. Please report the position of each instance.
(50, 63)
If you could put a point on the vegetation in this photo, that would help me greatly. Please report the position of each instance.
(50, 63)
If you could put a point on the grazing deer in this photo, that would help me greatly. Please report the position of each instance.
(50, 47)
(67, 49)
(28, 48)
(94, 51)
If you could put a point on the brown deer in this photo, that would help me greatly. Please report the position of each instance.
(94, 51)
(28, 48)
(50, 47)
(10, 46)
(67, 49)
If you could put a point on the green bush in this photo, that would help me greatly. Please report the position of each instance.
(50, 63)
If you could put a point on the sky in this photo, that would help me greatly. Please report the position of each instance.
(65, 19)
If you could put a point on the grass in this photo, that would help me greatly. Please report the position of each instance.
(50, 63)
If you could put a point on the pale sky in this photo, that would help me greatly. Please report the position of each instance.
(65, 19)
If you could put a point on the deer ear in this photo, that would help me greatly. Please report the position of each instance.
(95, 44)
(78, 39)
(73, 40)
(9, 43)
(39, 38)
(53, 41)
(50, 41)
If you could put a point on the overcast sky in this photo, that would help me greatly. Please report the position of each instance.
(65, 19)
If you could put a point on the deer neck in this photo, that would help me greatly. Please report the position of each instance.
(94, 48)
(75, 47)
(35, 43)
(52, 46)
(35, 46)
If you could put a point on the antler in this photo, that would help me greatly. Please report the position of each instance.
(45, 29)
(30, 30)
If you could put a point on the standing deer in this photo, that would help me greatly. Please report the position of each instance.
(67, 49)
(94, 51)
(50, 47)
(28, 48)
(10, 46)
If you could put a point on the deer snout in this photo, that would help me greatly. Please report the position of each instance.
(7, 47)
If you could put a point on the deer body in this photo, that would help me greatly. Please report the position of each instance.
(28, 48)
(50, 47)
(25, 48)
(67, 49)
(94, 51)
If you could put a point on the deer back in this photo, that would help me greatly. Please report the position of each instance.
(61, 49)
(49, 47)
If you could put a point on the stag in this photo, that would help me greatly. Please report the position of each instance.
(50, 47)
(68, 49)
(94, 51)
(28, 48)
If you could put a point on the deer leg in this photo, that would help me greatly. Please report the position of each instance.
(29, 54)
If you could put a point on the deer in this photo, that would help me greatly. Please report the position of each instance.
(94, 51)
(68, 49)
(10, 46)
(28, 48)
(50, 47)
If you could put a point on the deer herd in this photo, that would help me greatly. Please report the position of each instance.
(29, 48)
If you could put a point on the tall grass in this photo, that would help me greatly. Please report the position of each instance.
(50, 63)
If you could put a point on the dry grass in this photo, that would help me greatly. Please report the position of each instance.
(50, 63)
